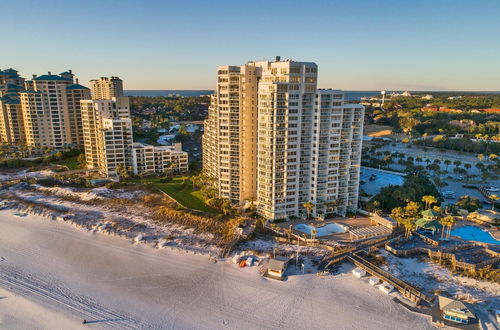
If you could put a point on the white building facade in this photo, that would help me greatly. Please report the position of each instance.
(272, 136)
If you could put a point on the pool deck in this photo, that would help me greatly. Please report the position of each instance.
(351, 223)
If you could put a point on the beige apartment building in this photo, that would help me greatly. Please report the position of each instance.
(51, 110)
(273, 137)
(108, 140)
(11, 118)
(106, 88)
(107, 134)
(11, 121)
(159, 159)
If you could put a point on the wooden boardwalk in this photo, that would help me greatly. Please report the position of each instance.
(407, 290)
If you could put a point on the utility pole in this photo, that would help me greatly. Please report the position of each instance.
(297, 256)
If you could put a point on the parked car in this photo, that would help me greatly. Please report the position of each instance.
(373, 177)
(449, 194)
(491, 189)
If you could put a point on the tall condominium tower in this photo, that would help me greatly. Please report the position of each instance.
(107, 134)
(10, 77)
(106, 88)
(11, 119)
(271, 135)
(51, 110)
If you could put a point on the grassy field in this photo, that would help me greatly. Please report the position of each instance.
(184, 195)
(71, 162)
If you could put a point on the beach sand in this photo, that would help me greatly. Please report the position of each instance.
(54, 275)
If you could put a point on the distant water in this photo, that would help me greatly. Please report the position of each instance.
(167, 92)
(350, 95)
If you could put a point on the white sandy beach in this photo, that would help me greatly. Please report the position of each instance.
(54, 275)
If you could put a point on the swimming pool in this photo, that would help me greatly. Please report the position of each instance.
(473, 233)
(328, 229)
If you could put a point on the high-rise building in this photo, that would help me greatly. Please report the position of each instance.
(51, 110)
(106, 88)
(11, 121)
(107, 134)
(108, 140)
(10, 77)
(271, 135)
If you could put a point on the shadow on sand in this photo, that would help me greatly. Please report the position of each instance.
(101, 321)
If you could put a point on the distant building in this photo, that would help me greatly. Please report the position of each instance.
(485, 216)
(440, 109)
(107, 132)
(490, 110)
(159, 159)
(51, 110)
(11, 121)
(106, 88)
(463, 123)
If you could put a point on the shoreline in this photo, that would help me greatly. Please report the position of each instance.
(150, 288)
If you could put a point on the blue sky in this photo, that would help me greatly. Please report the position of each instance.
(358, 45)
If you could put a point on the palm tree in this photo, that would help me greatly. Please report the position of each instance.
(288, 232)
(443, 222)
(309, 206)
(332, 205)
(494, 198)
(429, 200)
(314, 232)
(447, 162)
(457, 163)
(409, 225)
(451, 222)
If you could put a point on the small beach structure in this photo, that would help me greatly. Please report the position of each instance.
(277, 268)
(456, 310)
(428, 222)
(358, 272)
(374, 281)
(386, 288)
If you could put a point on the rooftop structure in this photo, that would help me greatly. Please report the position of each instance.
(106, 88)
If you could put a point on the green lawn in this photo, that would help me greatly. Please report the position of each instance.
(185, 196)
(71, 162)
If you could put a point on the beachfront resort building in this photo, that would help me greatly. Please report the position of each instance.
(51, 110)
(159, 159)
(107, 134)
(273, 137)
(106, 88)
(108, 140)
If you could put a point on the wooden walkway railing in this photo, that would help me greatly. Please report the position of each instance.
(407, 290)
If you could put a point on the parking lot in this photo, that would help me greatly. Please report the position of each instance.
(383, 179)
